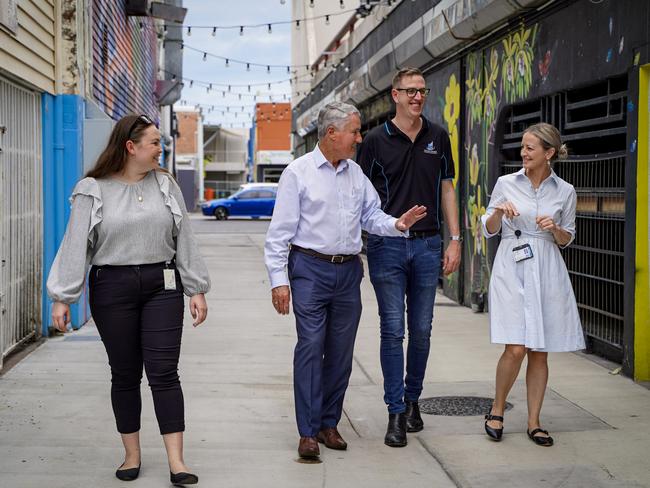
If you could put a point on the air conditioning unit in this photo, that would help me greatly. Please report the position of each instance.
(157, 10)
(137, 8)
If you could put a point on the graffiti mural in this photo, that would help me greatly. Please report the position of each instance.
(443, 108)
(451, 109)
(124, 68)
(516, 71)
(496, 76)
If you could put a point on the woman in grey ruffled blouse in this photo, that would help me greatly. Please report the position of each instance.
(129, 222)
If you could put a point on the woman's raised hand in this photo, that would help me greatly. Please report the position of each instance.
(508, 209)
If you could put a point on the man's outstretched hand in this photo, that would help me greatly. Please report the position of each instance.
(410, 217)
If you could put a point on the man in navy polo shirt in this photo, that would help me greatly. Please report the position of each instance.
(408, 160)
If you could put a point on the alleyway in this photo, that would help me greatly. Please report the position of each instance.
(57, 428)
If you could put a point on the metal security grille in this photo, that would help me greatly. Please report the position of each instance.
(593, 123)
(20, 216)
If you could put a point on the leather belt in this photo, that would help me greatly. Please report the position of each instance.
(415, 234)
(336, 258)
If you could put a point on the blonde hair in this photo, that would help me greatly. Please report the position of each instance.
(550, 138)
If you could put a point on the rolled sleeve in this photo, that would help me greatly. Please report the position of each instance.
(495, 199)
(284, 223)
(568, 219)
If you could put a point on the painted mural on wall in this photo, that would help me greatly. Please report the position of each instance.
(443, 108)
(124, 61)
(497, 76)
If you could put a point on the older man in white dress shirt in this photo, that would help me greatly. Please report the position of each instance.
(312, 246)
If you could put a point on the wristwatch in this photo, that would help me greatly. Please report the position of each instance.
(457, 238)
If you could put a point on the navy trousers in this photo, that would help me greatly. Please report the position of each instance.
(327, 306)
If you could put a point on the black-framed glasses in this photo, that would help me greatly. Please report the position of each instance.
(410, 92)
(141, 119)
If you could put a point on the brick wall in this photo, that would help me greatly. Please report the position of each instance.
(273, 127)
(187, 126)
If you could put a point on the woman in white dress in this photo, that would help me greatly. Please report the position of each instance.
(532, 306)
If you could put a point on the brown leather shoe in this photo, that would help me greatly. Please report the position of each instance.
(308, 448)
(332, 439)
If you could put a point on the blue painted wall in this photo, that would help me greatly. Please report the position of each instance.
(63, 117)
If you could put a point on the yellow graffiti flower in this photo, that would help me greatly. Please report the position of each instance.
(476, 209)
(453, 141)
(452, 101)
(480, 210)
(474, 165)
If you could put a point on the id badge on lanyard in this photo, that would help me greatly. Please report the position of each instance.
(169, 276)
(523, 252)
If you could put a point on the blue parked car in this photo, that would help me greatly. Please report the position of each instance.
(248, 202)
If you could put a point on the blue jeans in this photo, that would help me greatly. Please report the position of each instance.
(399, 268)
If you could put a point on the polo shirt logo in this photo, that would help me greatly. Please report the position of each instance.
(430, 149)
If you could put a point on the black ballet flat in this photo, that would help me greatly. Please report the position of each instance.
(129, 474)
(494, 434)
(539, 440)
(181, 479)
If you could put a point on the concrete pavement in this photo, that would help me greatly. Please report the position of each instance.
(57, 427)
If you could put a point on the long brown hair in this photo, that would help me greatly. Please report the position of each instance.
(114, 156)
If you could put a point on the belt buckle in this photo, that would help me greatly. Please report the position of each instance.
(337, 259)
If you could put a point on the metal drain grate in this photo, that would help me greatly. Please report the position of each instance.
(457, 406)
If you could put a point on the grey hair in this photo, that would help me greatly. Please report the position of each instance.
(334, 114)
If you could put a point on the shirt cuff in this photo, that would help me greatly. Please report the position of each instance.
(573, 236)
(278, 278)
(486, 232)
(396, 231)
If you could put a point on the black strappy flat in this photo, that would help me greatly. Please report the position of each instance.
(494, 434)
(539, 440)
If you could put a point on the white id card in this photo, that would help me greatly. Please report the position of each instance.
(521, 253)
(170, 279)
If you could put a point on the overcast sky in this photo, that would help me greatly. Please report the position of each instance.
(255, 46)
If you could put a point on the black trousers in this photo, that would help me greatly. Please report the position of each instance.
(140, 323)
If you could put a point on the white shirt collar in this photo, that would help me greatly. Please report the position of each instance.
(555, 178)
(320, 160)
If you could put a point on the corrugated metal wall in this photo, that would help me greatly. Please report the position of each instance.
(20, 215)
(124, 61)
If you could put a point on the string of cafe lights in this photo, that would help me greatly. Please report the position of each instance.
(260, 114)
(269, 25)
(272, 97)
(230, 61)
(362, 10)
(236, 109)
(227, 91)
(297, 79)
(216, 85)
